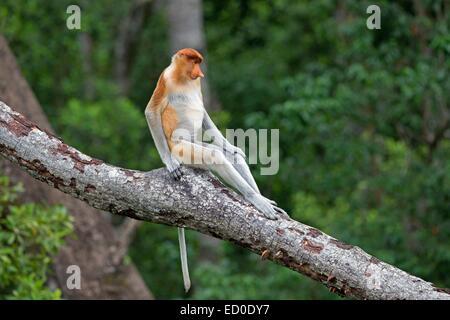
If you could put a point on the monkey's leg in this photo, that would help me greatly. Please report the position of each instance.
(242, 167)
(238, 162)
(213, 159)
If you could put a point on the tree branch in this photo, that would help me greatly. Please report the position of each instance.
(200, 202)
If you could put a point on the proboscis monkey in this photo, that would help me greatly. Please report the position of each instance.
(176, 117)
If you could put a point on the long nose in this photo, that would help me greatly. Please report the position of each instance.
(197, 72)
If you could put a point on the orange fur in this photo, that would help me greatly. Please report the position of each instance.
(189, 154)
(179, 74)
(191, 54)
(159, 94)
(190, 61)
(169, 121)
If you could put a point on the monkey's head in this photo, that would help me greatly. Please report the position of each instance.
(187, 62)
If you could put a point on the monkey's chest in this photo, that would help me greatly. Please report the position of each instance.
(189, 110)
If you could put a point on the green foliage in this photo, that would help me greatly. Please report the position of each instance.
(364, 149)
(364, 167)
(239, 275)
(254, 45)
(151, 57)
(48, 53)
(350, 109)
(30, 234)
(112, 130)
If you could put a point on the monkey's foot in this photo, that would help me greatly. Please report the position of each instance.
(277, 209)
(281, 211)
(263, 204)
(271, 201)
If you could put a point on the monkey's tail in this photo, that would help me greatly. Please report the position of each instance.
(184, 263)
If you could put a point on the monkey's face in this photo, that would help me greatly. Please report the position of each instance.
(190, 68)
(188, 63)
(195, 71)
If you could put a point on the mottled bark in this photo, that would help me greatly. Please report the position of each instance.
(200, 202)
(95, 241)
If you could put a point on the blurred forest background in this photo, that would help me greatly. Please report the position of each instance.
(364, 118)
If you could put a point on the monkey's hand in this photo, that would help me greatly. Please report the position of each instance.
(174, 168)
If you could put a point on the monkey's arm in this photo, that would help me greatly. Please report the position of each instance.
(217, 137)
(153, 116)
